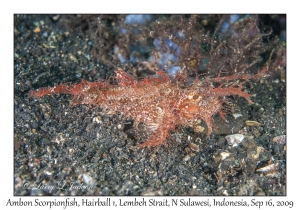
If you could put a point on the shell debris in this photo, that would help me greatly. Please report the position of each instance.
(234, 139)
(269, 168)
(237, 115)
(280, 139)
(259, 149)
(252, 123)
(87, 179)
(194, 147)
(225, 155)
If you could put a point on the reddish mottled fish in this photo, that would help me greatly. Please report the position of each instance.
(158, 102)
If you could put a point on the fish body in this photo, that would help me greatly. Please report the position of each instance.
(161, 104)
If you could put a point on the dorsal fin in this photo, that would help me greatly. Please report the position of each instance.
(124, 79)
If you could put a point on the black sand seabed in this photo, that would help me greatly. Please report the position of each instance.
(83, 151)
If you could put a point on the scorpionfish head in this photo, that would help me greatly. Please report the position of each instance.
(190, 107)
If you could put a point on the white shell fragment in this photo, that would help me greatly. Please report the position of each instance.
(87, 179)
(269, 168)
(234, 139)
(97, 119)
(236, 115)
(225, 155)
(280, 139)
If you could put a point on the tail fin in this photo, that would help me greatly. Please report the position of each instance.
(62, 88)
